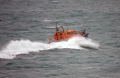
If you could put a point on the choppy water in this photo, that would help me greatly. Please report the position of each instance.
(25, 26)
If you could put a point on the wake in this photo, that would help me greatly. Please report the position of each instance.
(14, 48)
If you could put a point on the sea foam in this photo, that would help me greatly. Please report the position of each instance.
(16, 47)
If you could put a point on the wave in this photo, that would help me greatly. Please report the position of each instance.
(47, 20)
(16, 47)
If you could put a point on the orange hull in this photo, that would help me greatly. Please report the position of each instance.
(64, 35)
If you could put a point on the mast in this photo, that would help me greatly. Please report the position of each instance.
(56, 23)
(56, 26)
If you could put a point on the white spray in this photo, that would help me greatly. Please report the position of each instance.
(14, 48)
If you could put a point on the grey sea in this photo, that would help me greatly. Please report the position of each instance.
(26, 25)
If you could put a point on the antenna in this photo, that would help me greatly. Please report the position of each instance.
(56, 26)
(56, 23)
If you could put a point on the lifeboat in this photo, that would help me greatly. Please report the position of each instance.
(64, 35)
